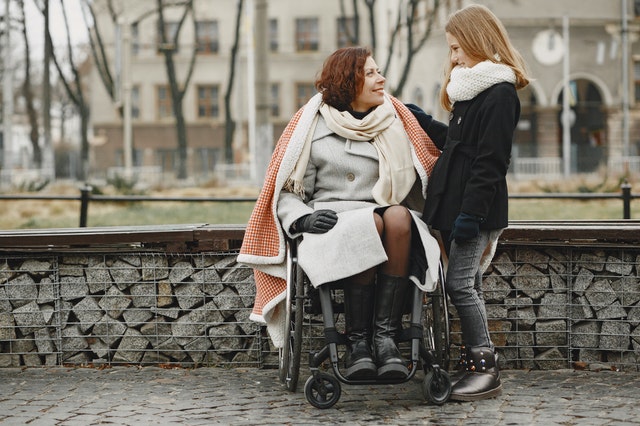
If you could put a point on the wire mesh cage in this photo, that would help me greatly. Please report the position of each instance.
(561, 307)
(133, 308)
(548, 307)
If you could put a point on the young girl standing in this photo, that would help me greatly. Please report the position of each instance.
(467, 196)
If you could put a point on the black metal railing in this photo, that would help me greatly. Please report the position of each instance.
(86, 197)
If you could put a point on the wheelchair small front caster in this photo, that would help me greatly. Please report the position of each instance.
(322, 390)
(436, 386)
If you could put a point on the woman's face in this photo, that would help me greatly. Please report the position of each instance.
(458, 56)
(372, 93)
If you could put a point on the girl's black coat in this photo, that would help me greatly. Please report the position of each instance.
(470, 175)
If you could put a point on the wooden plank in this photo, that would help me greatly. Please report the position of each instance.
(97, 236)
(219, 237)
(204, 237)
(606, 231)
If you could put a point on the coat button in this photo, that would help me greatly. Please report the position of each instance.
(350, 177)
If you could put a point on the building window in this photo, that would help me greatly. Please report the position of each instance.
(206, 160)
(636, 8)
(136, 157)
(135, 39)
(164, 103)
(166, 159)
(347, 34)
(135, 102)
(636, 79)
(207, 37)
(208, 101)
(304, 92)
(273, 35)
(171, 29)
(307, 34)
(275, 100)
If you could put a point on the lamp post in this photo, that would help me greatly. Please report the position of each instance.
(7, 90)
(625, 88)
(251, 90)
(125, 87)
(566, 111)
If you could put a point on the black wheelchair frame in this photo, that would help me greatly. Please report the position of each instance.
(425, 336)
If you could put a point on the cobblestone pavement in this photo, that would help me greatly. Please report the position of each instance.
(207, 396)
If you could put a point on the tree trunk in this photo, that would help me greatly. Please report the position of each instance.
(48, 157)
(230, 125)
(83, 173)
(27, 92)
(176, 93)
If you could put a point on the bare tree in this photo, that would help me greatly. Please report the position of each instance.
(49, 156)
(100, 58)
(230, 124)
(74, 89)
(27, 92)
(414, 21)
(371, 4)
(418, 29)
(354, 37)
(106, 69)
(168, 49)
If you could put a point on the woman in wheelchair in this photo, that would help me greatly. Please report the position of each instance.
(351, 188)
(373, 298)
(347, 178)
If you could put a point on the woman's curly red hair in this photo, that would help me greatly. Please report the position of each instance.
(342, 76)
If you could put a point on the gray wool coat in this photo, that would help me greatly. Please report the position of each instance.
(340, 176)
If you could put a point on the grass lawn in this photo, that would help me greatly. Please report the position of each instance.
(19, 214)
(33, 214)
(520, 209)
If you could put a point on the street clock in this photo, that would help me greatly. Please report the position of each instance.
(548, 47)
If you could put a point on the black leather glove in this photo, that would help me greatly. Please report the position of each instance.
(465, 228)
(317, 222)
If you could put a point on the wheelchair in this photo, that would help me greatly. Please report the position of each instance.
(423, 339)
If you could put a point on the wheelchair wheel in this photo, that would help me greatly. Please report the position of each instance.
(291, 350)
(436, 324)
(322, 390)
(436, 386)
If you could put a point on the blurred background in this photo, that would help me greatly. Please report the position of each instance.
(187, 97)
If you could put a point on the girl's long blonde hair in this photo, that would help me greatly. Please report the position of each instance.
(482, 37)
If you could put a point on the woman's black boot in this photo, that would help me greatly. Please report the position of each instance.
(482, 379)
(358, 307)
(390, 301)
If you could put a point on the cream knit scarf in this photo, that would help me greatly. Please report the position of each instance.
(385, 131)
(467, 83)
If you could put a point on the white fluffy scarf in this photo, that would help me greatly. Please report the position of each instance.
(467, 83)
(384, 129)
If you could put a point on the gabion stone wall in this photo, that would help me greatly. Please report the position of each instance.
(548, 308)
(132, 308)
(558, 307)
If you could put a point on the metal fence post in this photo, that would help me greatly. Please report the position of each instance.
(85, 195)
(626, 199)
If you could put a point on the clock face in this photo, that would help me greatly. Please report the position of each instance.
(548, 47)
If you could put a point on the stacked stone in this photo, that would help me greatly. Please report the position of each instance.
(129, 309)
(553, 308)
(548, 308)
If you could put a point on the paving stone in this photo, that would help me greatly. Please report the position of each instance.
(249, 396)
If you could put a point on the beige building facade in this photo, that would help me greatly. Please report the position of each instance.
(604, 119)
